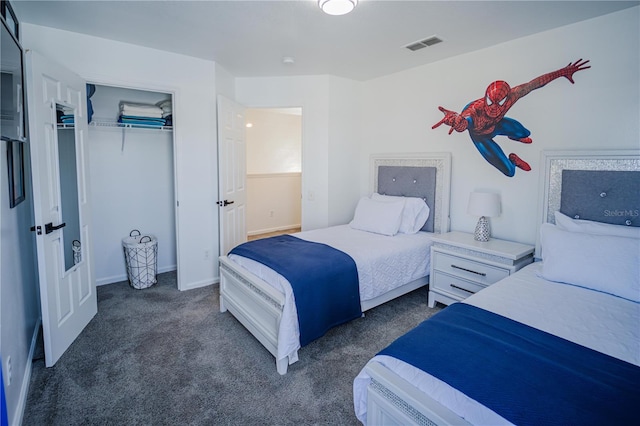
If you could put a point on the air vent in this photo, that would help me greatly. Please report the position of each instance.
(423, 43)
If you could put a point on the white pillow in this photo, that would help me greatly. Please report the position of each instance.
(378, 216)
(605, 263)
(597, 228)
(414, 215)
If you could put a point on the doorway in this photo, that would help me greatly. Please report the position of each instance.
(273, 171)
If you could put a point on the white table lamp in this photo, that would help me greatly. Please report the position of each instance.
(483, 204)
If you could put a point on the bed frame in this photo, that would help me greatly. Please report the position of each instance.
(258, 306)
(392, 400)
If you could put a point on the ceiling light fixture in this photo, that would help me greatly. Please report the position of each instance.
(337, 7)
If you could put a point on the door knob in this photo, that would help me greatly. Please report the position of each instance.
(49, 228)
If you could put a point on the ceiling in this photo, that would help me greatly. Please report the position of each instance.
(251, 38)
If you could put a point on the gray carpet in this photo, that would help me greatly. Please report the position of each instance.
(164, 357)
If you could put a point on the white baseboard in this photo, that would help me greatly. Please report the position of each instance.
(198, 284)
(275, 229)
(26, 379)
(195, 284)
(110, 280)
(123, 277)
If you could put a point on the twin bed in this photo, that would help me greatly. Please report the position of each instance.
(391, 258)
(558, 342)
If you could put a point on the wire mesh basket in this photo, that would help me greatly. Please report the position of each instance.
(141, 259)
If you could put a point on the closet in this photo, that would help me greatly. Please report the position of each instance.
(132, 181)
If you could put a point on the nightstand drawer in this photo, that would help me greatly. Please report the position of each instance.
(465, 268)
(454, 285)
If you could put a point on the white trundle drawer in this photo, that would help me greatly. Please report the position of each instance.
(469, 269)
(455, 285)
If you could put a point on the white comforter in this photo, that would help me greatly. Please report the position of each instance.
(383, 263)
(596, 320)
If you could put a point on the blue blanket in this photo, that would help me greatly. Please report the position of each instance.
(527, 376)
(324, 280)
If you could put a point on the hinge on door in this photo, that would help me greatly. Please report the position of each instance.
(37, 229)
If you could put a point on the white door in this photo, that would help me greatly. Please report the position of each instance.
(59, 163)
(231, 174)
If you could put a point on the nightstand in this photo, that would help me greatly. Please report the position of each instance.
(462, 266)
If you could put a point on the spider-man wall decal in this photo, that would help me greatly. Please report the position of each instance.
(485, 118)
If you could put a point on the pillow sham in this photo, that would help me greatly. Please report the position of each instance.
(605, 263)
(377, 216)
(414, 214)
(597, 228)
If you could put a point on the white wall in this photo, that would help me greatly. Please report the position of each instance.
(137, 183)
(225, 83)
(19, 301)
(131, 188)
(273, 141)
(345, 144)
(192, 82)
(601, 111)
(312, 94)
(273, 202)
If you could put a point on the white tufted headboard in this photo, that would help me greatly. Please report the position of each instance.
(602, 186)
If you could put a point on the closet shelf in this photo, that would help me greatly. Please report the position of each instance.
(113, 125)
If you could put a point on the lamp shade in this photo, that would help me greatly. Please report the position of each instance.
(337, 7)
(484, 204)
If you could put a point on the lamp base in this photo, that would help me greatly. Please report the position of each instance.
(483, 232)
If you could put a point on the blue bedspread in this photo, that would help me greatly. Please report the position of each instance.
(324, 280)
(527, 376)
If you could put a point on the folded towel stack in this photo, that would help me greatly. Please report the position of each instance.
(141, 114)
(142, 121)
(141, 110)
(64, 115)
